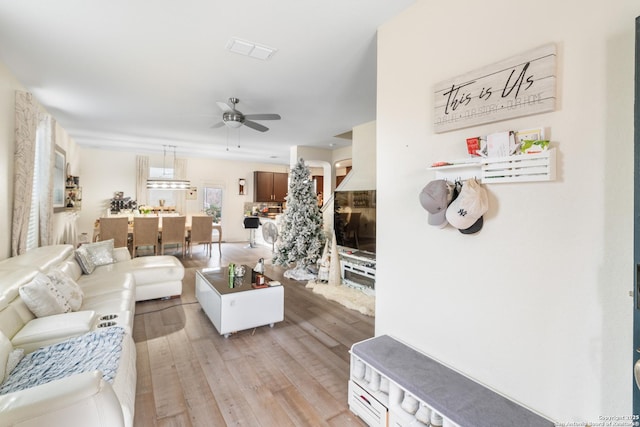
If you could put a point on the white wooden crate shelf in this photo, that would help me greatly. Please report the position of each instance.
(521, 168)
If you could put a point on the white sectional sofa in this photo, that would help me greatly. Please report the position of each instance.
(91, 377)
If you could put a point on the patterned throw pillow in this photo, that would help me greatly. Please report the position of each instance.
(99, 253)
(68, 287)
(43, 298)
(83, 258)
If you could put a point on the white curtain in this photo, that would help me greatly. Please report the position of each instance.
(142, 174)
(180, 172)
(27, 119)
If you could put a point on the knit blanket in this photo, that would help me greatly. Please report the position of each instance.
(98, 350)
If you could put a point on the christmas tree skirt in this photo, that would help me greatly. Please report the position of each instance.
(299, 274)
(351, 298)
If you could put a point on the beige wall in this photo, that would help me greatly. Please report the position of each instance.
(363, 149)
(537, 304)
(103, 172)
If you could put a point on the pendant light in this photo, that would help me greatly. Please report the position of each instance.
(168, 183)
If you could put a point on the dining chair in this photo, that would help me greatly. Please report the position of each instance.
(116, 228)
(218, 229)
(201, 232)
(173, 232)
(145, 233)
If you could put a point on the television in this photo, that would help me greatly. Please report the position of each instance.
(355, 219)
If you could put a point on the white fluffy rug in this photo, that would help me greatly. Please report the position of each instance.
(351, 298)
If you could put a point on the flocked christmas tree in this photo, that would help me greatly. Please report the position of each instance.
(302, 239)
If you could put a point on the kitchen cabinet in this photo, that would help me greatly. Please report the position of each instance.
(270, 186)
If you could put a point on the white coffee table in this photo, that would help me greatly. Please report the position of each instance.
(240, 307)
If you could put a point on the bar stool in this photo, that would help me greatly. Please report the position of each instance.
(252, 223)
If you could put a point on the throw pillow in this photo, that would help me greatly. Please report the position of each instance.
(69, 288)
(83, 258)
(43, 298)
(101, 253)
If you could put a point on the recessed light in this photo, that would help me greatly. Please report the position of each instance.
(250, 49)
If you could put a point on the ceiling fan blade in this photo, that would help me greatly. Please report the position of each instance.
(224, 107)
(217, 125)
(256, 126)
(263, 116)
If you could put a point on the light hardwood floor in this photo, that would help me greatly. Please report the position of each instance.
(294, 374)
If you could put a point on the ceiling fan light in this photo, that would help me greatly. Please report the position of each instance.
(233, 119)
(233, 123)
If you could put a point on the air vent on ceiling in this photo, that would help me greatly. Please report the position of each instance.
(250, 49)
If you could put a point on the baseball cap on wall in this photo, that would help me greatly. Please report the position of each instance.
(435, 198)
(477, 226)
(465, 212)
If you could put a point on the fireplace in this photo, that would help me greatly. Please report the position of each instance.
(358, 268)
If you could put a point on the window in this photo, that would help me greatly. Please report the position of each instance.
(212, 201)
(40, 165)
(169, 196)
(33, 230)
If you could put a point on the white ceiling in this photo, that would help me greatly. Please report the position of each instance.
(137, 75)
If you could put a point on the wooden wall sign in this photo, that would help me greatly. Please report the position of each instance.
(519, 86)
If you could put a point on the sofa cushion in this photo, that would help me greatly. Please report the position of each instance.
(99, 283)
(71, 268)
(121, 254)
(150, 269)
(68, 287)
(44, 331)
(112, 302)
(43, 257)
(10, 282)
(43, 298)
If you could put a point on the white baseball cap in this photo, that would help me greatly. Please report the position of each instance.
(469, 206)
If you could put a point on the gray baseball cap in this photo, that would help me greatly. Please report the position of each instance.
(435, 197)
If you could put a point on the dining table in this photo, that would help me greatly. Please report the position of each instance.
(216, 226)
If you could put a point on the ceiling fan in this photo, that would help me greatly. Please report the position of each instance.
(234, 118)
